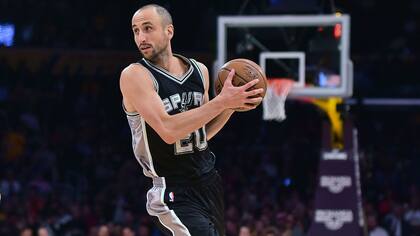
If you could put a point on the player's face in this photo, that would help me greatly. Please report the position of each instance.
(151, 36)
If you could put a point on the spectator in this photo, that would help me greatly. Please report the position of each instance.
(412, 215)
(43, 231)
(245, 231)
(26, 232)
(374, 228)
(127, 231)
(396, 224)
(103, 230)
(272, 231)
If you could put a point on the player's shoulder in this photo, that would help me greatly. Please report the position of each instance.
(134, 69)
(134, 73)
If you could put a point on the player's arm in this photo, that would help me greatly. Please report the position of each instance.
(138, 91)
(217, 123)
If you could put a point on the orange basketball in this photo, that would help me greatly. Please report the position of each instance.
(245, 71)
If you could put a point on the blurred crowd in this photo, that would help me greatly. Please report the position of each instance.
(67, 168)
(66, 164)
(377, 40)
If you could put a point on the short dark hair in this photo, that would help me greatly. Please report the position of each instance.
(163, 13)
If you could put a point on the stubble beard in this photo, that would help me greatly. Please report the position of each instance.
(156, 54)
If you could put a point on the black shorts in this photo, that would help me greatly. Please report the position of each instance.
(193, 208)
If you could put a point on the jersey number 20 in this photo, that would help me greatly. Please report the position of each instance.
(195, 139)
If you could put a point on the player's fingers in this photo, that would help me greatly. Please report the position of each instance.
(254, 100)
(248, 107)
(250, 84)
(229, 77)
(240, 109)
(254, 92)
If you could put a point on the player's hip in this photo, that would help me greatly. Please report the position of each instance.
(193, 207)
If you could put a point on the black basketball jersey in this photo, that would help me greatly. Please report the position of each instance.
(187, 158)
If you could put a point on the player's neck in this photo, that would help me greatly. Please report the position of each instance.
(164, 60)
(169, 62)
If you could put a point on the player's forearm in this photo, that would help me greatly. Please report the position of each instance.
(180, 125)
(215, 125)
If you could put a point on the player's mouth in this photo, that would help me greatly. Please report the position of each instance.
(145, 47)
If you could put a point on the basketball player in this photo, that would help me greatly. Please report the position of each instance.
(165, 97)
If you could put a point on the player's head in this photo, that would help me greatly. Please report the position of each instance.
(153, 30)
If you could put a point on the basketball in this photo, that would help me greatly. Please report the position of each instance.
(245, 71)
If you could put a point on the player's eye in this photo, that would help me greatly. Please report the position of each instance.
(136, 31)
(148, 28)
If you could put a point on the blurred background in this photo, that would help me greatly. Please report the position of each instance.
(66, 163)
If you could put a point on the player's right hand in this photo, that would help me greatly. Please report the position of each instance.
(239, 97)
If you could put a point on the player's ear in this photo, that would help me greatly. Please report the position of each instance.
(170, 31)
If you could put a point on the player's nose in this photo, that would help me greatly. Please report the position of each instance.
(141, 38)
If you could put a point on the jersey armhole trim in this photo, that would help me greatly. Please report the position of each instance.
(127, 112)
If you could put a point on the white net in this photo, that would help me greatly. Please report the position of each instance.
(275, 97)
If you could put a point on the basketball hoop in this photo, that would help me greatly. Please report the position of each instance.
(275, 97)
